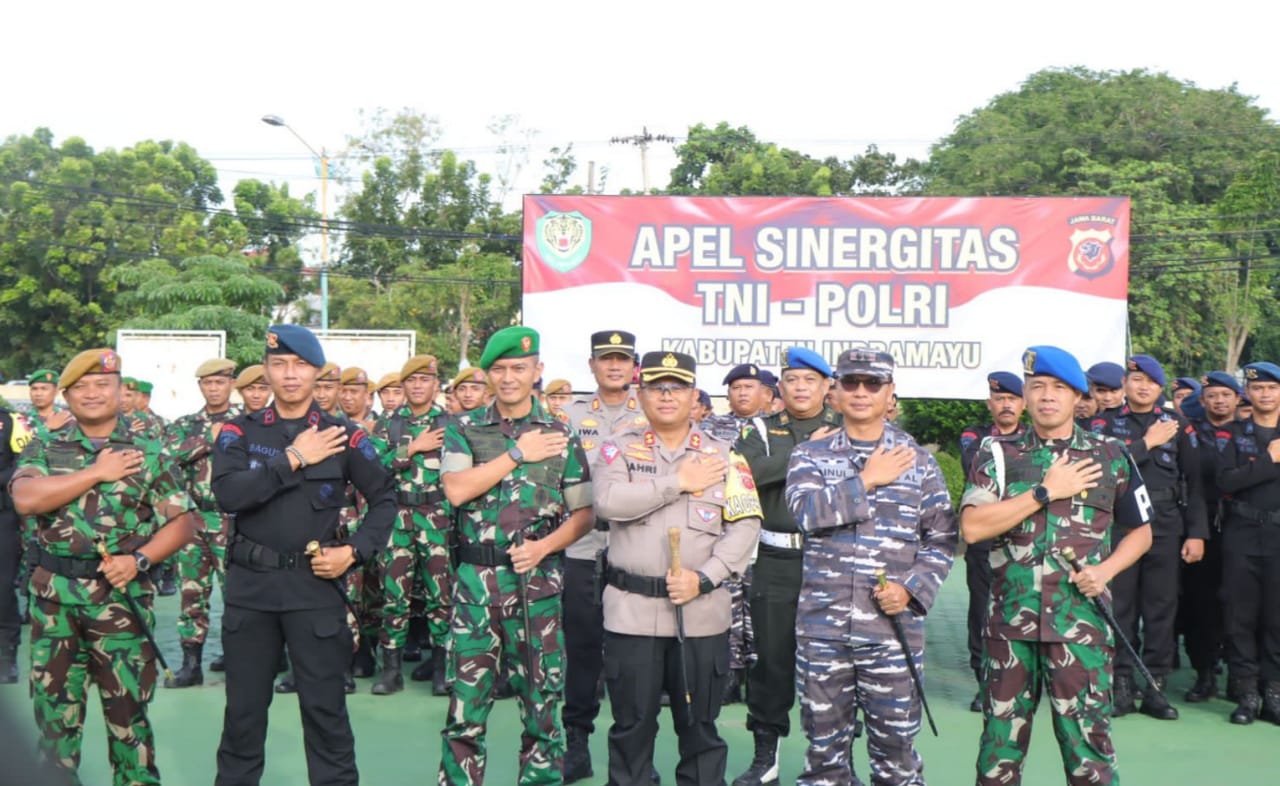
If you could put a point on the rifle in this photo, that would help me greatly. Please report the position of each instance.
(1069, 554)
(137, 612)
(673, 536)
(901, 635)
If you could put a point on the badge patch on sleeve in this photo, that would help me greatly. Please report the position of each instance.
(740, 498)
(228, 436)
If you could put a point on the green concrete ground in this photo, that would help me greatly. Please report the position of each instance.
(398, 737)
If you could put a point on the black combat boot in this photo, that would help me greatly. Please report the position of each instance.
(286, 684)
(218, 664)
(1122, 695)
(363, 663)
(654, 778)
(577, 755)
(1271, 703)
(1154, 702)
(348, 682)
(1206, 687)
(190, 674)
(764, 765)
(9, 666)
(733, 688)
(390, 680)
(1248, 702)
(424, 670)
(439, 683)
(976, 704)
(412, 652)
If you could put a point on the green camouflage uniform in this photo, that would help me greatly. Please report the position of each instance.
(189, 441)
(487, 618)
(419, 547)
(81, 629)
(145, 423)
(1041, 630)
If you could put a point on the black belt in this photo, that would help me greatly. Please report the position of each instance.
(70, 567)
(1246, 511)
(486, 554)
(417, 499)
(242, 551)
(1160, 496)
(649, 586)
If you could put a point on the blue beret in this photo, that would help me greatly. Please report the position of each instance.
(1262, 372)
(295, 340)
(1188, 383)
(1050, 361)
(767, 378)
(1107, 375)
(1004, 382)
(1192, 408)
(1149, 366)
(745, 371)
(1220, 379)
(799, 357)
(704, 398)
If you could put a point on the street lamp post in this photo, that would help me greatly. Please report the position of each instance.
(278, 122)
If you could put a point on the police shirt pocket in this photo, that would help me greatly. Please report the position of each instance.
(705, 516)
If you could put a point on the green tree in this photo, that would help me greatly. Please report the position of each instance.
(70, 214)
(1174, 148)
(274, 222)
(202, 293)
(427, 245)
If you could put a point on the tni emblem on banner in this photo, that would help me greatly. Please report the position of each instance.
(564, 240)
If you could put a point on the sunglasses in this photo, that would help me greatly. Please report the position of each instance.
(872, 384)
(667, 388)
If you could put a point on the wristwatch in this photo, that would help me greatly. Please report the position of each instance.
(705, 585)
(516, 455)
(144, 563)
(1040, 494)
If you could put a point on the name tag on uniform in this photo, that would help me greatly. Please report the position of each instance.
(833, 470)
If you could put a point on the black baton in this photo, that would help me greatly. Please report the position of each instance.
(137, 612)
(901, 635)
(1069, 554)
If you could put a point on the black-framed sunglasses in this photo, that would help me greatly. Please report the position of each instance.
(663, 388)
(872, 384)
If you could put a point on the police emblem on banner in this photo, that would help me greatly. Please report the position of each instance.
(1091, 255)
(564, 239)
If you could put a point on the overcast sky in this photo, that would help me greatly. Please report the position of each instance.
(818, 77)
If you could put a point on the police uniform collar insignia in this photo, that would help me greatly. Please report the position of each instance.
(783, 419)
(631, 403)
(269, 415)
(650, 439)
(595, 404)
(313, 418)
(695, 441)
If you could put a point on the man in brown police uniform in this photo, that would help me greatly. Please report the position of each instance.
(666, 627)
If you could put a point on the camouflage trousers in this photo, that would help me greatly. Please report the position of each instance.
(1078, 677)
(363, 586)
(71, 645)
(742, 638)
(483, 639)
(199, 562)
(834, 681)
(415, 558)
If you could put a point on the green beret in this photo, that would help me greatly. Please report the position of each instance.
(512, 342)
(129, 382)
(91, 361)
(145, 388)
(46, 375)
(220, 367)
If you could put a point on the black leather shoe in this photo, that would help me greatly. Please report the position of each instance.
(1154, 703)
(1206, 687)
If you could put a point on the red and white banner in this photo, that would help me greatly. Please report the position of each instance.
(953, 288)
